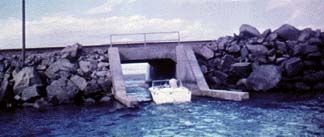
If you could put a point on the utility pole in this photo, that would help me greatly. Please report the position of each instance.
(23, 32)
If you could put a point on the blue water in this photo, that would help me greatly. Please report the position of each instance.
(269, 114)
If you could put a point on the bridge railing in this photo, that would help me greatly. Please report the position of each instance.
(144, 37)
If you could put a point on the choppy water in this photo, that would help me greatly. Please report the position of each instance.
(273, 114)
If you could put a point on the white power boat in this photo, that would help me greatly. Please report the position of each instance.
(168, 91)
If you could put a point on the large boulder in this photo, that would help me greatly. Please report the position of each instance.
(288, 32)
(257, 49)
(25, 78)
(303, 49)
(29, 93)
(241, 70)
(234, 48)
(71, 52)
(85, 66)
(61, 91)
(264, 77)
(305, 35)
(227, 61)
(56, 92)
(205, 52)
(293, 66)
(80, 82)
(53, 70)
(248, 31)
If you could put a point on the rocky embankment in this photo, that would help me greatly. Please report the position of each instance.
(284, 59)
(68, 76)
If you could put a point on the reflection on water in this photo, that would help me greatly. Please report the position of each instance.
(273, 114)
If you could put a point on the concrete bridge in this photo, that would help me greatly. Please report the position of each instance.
(167, 60)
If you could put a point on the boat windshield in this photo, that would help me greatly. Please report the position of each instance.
(161, 83)
(164, 83)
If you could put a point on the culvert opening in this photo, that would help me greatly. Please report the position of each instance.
(138, 76)
(135, 80)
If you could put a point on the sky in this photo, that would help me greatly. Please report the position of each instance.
(90, 22)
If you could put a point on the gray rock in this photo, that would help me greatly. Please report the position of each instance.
(272, 37)
(288, 32)
(303, 49)
(72, 89)
(25, 78)
(102, 65)
(105, 84)
(92, 88)
(315, 41)
(105, 99)
(29, 92)
(293, 66)
(2, 67)
(85, 66)
(80, 82)
(53, 70)
(40, 104)
(309, 64)
(264, 77)
(61, 91)
(319, 86)
(266, 33)
(206, 52)
(41, 67)
(222, 44)
(257, 49)
(305, 35)
(89, 101)
(203, 69)
(272, 58)
(2, 58)
(64, 74)
(241, 70)
(2, 74)
(315, 55)
(281, 47)
(242, 82)
(301, 86)
(221, 76)
(234, 48)
(102, 73)
(56, 92)
(314, 77)
(244, 53)
(4, 86)
(71, 52)
(248, 31)
(227, 61)
(216, 81)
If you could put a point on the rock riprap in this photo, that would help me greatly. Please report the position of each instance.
(72, 75)
(285, 59)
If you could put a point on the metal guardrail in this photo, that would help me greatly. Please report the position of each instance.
(145, 40)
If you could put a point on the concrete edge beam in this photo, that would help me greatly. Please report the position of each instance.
(226, 94)
(119, 89)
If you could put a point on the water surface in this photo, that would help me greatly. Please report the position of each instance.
(268, 114)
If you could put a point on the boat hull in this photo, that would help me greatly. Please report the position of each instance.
(170, 95)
